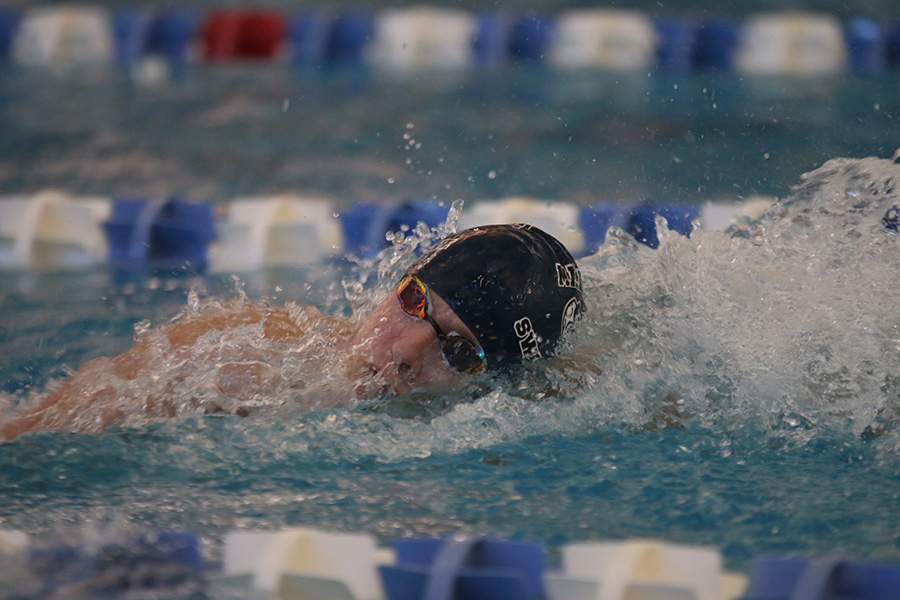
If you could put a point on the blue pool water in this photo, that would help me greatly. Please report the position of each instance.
(581, 136)
(737, 392)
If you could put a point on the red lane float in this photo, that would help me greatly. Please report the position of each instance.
(243, 35)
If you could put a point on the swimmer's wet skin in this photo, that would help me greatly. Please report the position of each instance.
(485, 299)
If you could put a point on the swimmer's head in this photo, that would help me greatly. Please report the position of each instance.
(515, 287)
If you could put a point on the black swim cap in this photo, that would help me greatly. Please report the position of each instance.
(516, 287)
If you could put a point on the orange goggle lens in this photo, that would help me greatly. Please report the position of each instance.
(413, 297)
(460, 354)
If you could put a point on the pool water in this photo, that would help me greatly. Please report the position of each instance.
(737, 391)
(220, 132)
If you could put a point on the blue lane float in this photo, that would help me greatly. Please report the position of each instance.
(892, 47)
(349, 36)
(825, 578)
(308, 37)
(141, 33)
(366, 225)
(127, 564)
(866, 46)
(690, 45)
(420, 37)
(159, 234)
(466, 568)
(502, 39)
(715, 43)
(595, 221)
(52, 230)
(131, 29)
(642, 222)
(9, 24)
(675, 45)
(319, 37)
(172, 35)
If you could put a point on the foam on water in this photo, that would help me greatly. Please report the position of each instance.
(789, 325)
(787, 329)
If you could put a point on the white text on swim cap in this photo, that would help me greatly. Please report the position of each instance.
(568, 276)
(528, 342)
(570, 315)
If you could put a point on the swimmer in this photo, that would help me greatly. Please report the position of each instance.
(481, 301)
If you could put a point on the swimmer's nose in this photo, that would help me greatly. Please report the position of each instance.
(409, 349)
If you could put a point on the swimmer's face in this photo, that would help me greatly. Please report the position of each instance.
(396, 352)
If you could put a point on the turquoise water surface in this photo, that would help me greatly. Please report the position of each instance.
(739, 392)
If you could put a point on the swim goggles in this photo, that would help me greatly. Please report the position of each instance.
(460, 354)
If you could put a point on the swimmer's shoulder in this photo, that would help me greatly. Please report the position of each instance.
(288, 324)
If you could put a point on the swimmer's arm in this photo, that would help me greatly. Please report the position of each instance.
(80, 392)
